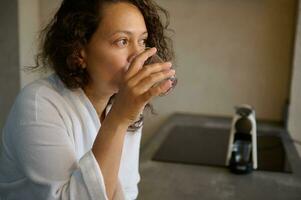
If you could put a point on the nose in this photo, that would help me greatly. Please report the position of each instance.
(135, 50)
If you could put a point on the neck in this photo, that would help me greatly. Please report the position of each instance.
(99, 100)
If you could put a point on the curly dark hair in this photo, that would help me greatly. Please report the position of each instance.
(72, 28)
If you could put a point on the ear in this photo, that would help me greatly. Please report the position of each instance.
(82, 58)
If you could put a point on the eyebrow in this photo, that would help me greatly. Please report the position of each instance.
(126, 32)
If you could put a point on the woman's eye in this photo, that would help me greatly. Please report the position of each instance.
(122, 42)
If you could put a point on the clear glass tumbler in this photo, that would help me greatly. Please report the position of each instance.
(157, 59)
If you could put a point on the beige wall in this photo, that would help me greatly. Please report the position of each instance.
(48, 9)
(228, 53)
(29, 21)
(295, 107)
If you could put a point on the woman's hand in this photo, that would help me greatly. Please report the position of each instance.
(139, 86)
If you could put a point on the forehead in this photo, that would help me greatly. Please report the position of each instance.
(121, 16)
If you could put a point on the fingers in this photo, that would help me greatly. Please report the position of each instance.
(138, 62)
(153, 80)
(148, 70)
(158, 90)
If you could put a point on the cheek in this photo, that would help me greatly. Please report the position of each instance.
(118, 64)
(113, 68)
(120, 60)
(106, 63)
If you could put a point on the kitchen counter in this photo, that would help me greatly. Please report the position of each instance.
(164, 180)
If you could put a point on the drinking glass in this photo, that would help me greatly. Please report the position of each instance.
(157, 59)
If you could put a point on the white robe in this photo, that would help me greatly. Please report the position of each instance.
(46, 147)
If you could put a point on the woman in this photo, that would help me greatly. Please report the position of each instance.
(76, 134)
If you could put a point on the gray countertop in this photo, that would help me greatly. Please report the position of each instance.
(161, 180)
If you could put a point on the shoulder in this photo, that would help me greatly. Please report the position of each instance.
(38, 106)
(42, 87)
(41, 97)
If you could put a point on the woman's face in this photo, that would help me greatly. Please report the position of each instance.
(121, 35)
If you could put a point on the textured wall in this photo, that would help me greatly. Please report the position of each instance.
(9, 57)
(295, 107)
